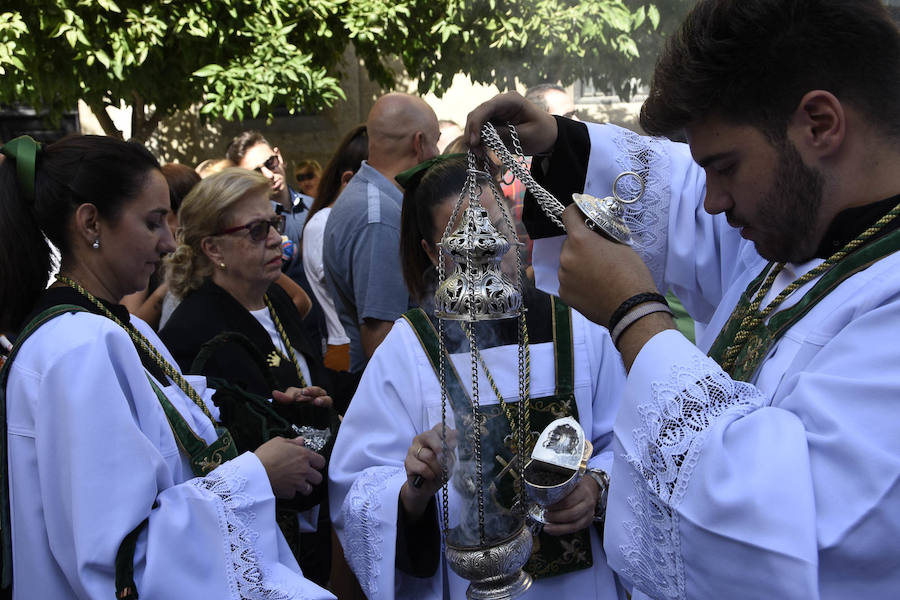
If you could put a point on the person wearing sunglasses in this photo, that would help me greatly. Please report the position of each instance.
(225, 268)
(308, 174)
(251, 150)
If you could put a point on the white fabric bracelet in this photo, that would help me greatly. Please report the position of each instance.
(638, 312)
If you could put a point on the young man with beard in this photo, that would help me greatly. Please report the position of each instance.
(765, 461)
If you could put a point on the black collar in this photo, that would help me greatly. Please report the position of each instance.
(848, 224)
(65, 295)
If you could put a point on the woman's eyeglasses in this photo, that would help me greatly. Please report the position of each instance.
(259, 229)
(271, 164)
(301, 177)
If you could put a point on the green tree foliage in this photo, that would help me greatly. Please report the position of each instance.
(242, 57)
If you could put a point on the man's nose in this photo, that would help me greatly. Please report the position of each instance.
(717, 200)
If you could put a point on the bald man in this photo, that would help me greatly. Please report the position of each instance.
(362, 236)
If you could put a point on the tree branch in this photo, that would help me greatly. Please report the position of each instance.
(137, 115)
(109, 128)
(148, 127)
(142, 125)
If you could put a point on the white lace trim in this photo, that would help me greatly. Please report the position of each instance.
(674, 425)
(247, 579)
(648, 218)
(363, 539)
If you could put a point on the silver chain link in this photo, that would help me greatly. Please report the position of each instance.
(472, 191)
(476, 432)
(550, 205)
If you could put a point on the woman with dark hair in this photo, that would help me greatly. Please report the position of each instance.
(352, 150)
(147, 304)
(385, 467)
(119, 478)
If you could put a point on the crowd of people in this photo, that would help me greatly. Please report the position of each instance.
(232, 388)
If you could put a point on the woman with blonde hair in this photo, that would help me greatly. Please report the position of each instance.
(224, 269)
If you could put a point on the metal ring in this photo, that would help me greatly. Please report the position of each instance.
(484, 174)
(419, 450)
(615, 186)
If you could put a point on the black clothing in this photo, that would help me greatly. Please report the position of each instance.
(210, 310)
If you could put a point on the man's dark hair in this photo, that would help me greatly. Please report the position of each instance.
(242, 143)
(536, 94)
(751, 61)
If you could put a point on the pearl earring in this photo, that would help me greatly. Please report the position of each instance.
(96, 244)
(222, 266)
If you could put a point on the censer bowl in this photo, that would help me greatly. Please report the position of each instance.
(546, 483)
(546, 493)
(494, 571)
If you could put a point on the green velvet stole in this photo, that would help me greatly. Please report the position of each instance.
(764, 337)
(203, 460)
(551, 555)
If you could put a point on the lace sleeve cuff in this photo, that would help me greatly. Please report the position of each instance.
(673, 395)
(243, 494)
(614, 151)
(369, 517)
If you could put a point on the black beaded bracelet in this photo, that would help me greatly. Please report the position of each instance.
(631, 303)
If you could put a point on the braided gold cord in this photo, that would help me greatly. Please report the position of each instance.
(750, 320)
(138, 338)
(527, 378)
(754, 318)
(286, 342)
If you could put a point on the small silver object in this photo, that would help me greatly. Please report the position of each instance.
(315, 439)
(602, 480)
(607, 215)
(477, 289)
(561, 450)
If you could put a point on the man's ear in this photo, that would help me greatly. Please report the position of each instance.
(212, 248)
(819, 124)
(419, 146)
(278, 154)
(346, 176)
(87, 222)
